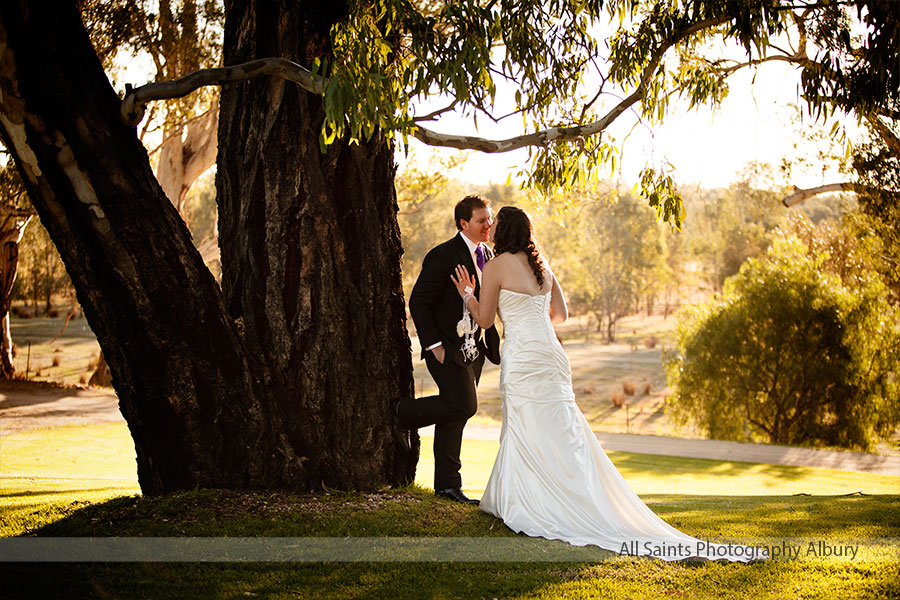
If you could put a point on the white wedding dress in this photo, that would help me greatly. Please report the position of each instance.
(551, 478)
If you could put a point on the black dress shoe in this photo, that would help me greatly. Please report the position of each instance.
(401, 431)
(395, 409)
(456, 495)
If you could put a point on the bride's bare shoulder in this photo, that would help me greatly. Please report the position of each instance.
(498, 260)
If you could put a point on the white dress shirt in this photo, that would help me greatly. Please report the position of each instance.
(472, 247)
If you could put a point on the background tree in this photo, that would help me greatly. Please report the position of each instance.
(426, 197)
(42, 274)
(620, 258)
(15, 214)
(791, 354)
(283, 377)
(733, 224)
(178, 38)
(878, 167)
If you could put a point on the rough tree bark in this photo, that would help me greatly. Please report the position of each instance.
(289, 387)
(310, 247)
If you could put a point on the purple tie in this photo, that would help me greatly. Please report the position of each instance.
(479, 257)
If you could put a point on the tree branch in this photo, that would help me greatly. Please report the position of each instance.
(795, 59)
(538, 138)
(889, 137)
(558, 134)
(135, 100)
(799, 195)
(431, 116)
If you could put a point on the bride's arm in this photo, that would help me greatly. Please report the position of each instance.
(558, 310)
(484, 311)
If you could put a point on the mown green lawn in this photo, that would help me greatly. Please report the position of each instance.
(79, 481)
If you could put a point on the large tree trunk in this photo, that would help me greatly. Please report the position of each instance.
(289, 388)
(311, 250)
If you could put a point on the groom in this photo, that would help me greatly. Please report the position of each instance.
(436, 308)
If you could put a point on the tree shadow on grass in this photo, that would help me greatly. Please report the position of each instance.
(655, 464)
(57, 492)
(17, 392)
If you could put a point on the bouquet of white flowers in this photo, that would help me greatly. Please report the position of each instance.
(466, 329)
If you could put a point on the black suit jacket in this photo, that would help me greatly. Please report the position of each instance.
(436, 307)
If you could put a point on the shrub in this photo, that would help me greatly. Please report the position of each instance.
(647, 387)
(618, 400)
(790, 354)
(628, 388)
(651, 341)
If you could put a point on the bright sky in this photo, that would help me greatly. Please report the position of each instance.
(756, 122)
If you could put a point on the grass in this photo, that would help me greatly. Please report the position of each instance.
(49, 473)
(79, 481)
(74, 350)
(414, 512)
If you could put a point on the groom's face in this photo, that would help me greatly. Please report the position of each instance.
(478, 228)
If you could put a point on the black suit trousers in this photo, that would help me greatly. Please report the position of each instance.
(448, 411)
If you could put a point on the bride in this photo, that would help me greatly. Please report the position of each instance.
(551, 478)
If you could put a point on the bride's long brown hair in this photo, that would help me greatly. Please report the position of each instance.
(514, 233)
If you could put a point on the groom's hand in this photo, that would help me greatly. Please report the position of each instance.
(439, 353)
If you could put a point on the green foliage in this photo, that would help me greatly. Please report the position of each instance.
(791, 353)
(853, 72)
(389, 53)
(662, 194)
(572, 64)
(561, 166)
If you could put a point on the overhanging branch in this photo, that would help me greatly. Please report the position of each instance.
(135, 101)
(538, 138)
